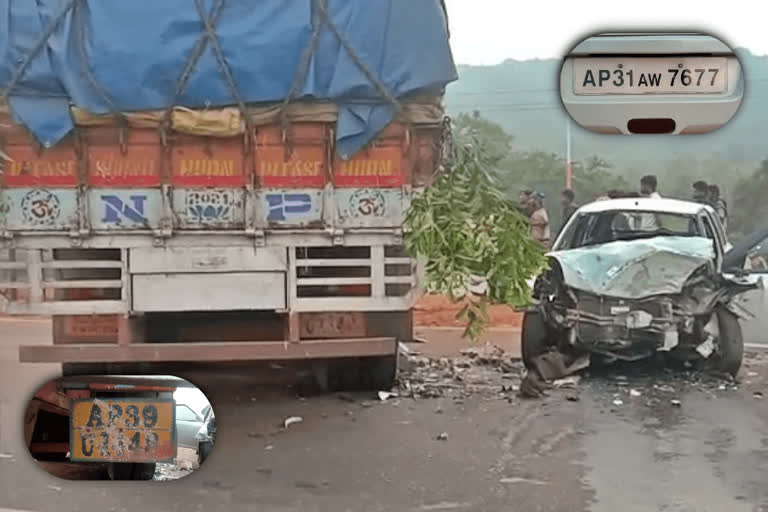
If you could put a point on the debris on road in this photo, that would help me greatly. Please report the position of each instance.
(618, 401)
(54, 488)
(6, 455)
(635, 393)
(386, 395)
(675, 403)
(485, 370)
(443, 436)
(567, 382)
(551, 367)
(291, 420)
(533, 386)
(520, 480)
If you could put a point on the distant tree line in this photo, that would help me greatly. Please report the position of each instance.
(743, 188)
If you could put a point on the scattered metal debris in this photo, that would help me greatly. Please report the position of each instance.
(386, 395)
(635, 393)
(520, 480)
(291, 420)
(675, 403)
(618, 401)
(443, 436)
(550, 367)
(484, 370)
(567, 382)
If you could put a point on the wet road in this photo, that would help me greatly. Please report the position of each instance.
(574, 450)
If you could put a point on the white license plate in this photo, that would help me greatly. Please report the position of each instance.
(650, 75)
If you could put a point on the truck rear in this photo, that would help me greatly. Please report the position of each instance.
(258, 220)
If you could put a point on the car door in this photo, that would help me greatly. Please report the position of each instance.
(752, 257)
(188, 422)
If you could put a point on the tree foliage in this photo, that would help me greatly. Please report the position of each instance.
(749, 209)
(464, 226)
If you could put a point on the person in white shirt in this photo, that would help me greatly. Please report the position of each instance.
(647, 221)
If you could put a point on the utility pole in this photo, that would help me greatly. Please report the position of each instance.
(568, 167)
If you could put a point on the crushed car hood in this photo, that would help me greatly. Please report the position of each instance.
(635, 269)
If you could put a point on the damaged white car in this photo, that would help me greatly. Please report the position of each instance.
(629, 278)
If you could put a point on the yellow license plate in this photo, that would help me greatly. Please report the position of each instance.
(122, 430)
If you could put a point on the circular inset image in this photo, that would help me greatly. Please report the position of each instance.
(119, 427)
(651, 83)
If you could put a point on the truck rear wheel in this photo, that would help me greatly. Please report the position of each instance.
(381, 372)
(131, 470)
(361, 374)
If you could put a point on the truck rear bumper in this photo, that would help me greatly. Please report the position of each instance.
(208, 351)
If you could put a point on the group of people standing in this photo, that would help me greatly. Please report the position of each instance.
(710, 194)
(532, 206)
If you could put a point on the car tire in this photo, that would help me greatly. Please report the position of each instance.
(533, 339)
(730, 343)
(203, 451)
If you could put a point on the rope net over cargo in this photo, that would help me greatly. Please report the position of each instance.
(359, 64)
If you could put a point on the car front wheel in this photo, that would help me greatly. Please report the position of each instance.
(730, 343)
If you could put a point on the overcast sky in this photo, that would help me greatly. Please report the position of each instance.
(192, 397)
(491, 31)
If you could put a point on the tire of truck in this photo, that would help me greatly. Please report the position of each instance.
(362, 374)
(131, 470)
(382, 372)
(730, 342)
(533, 341)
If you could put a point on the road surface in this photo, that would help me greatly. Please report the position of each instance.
(615, 442)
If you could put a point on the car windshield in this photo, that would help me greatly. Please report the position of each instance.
(610, 226)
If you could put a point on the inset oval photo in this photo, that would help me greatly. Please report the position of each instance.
(651, 83)
(119, 427)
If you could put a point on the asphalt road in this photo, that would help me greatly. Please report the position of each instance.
(615, 442)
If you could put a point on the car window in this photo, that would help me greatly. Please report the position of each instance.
(709, 231)
(604, 227)
(184, 413)
(712, 231)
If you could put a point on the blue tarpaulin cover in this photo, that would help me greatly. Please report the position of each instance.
(119, 55)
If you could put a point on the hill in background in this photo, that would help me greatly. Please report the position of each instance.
(523, 97)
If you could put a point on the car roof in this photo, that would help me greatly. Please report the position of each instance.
(645, 204)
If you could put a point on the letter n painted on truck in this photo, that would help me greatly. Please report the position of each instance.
(116, 209)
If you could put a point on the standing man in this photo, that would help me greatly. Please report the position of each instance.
(569, 208)
(539, 220)
(719, 204)
(525, 202)
(648, 186)
(701, 192)
(647, 221)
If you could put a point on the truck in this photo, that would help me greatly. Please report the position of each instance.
(104, 427)
(227, 184)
